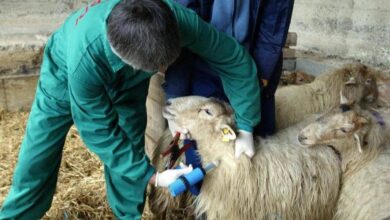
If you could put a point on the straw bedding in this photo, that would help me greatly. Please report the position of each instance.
(80, 190)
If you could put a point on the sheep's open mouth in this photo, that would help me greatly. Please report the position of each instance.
(168, 113)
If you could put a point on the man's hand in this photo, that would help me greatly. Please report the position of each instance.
(167, 177)
(244, 144)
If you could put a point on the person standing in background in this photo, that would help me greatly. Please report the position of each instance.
(261, 26)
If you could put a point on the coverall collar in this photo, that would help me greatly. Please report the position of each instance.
(115, 62)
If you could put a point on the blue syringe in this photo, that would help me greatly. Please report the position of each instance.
(185, 182)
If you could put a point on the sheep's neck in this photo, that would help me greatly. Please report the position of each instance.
(213, 149)
(381, 117)
(351, 159)
(333, 84)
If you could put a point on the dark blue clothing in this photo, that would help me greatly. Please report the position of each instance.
(261, 26)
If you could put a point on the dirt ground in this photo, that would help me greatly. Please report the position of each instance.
(80, 190)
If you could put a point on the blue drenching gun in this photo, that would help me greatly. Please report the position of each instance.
(193, 158)
(190, 180)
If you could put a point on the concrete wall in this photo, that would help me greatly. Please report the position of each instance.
(28, 22)
(358, 29)
(24, 29)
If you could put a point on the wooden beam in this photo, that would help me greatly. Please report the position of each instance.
(292, 39)
(288, 53)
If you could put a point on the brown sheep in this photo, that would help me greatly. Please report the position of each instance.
(295, 78)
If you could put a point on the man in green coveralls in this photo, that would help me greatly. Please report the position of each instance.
(95, 73)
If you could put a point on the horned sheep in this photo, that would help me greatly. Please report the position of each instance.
(362, 138)
(282, 180)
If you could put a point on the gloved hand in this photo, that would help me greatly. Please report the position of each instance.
(173, 127)
(167, 177)
(244, 144)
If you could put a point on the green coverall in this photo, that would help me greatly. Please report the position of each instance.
(83, 82)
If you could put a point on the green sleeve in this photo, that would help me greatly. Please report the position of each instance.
(97, 123)
(234, 64)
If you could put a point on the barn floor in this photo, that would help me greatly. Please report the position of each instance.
(80, 190)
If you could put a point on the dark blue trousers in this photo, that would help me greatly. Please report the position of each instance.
(264, 35)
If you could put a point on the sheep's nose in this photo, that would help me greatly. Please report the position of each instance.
(301, 138)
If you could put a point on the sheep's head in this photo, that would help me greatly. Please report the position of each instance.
(332, 128)
(358, 135)
(359, 83)
(347, 121)
(354, 73)
(208, 121)
(329, 128)
(203, 118)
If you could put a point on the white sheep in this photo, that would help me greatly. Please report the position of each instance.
(362, 138)
(294, 103)
(160, 201)
(282, 181)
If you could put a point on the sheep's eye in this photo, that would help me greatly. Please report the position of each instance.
(207, 111)
(368, 82)
(343, 130)
(345, 108)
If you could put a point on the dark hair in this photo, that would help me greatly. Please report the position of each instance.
(144, 33)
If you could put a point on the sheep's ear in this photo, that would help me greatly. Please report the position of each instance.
(227, 133)
(343, 99)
